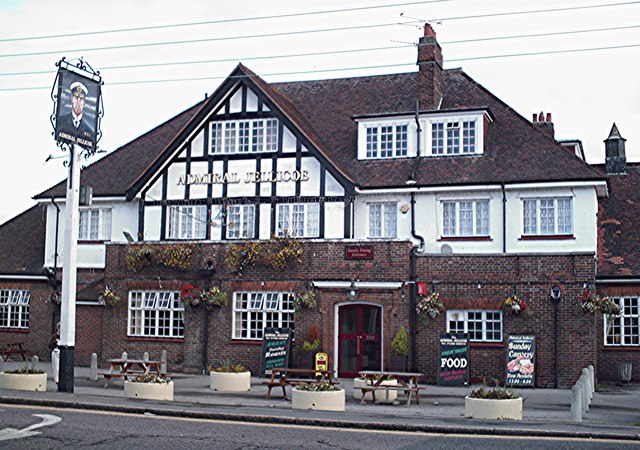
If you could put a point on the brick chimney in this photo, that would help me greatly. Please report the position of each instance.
(544, 123)
(429, 70)
(615, 161)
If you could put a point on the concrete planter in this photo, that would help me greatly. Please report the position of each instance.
(479, 408)
(381, 396)
(149, 391)
(230, 382)
(23, 382)
(318, 400)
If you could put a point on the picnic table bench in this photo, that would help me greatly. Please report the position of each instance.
(282, 377)
(15, 348)
(408, 382)
(125, 368)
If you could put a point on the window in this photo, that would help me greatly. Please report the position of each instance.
(465, 218)
(156, 314)
(14, 308)
(387, 141)
(482, 326)
(383, 220)
(454, 137)
(244, 136)
(299, 220)
(625, 328)
(240, 221)
(255, 311)
(94, 225)
(547, 216)
(187, 222)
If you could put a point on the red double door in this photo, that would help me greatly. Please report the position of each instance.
(359, 339)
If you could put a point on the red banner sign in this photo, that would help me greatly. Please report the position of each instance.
(358, 252)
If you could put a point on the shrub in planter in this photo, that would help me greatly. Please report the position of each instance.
(149, 387)
(494, 403)
(310, 346)
(399, 351)
(318, 396)
(24, 379)
(229, 378)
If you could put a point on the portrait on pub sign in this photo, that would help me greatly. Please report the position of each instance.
(77, 114)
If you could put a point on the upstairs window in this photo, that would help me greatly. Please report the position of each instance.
(187, 222)
(240, 221)
(386, 141)
(465, 218)
(454, 137)
(482, 326)
(547, 216)
(14, 308)
(299, 220)
(624, 329)
(244, 136)
(383, 220)
(94, 224)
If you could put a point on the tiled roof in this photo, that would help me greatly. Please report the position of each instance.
(618, 231)
(22, 243)
(113, 174)
(515, 150)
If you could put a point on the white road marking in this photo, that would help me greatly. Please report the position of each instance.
(12, 433)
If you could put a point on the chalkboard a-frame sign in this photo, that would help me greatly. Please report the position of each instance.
(275, 349)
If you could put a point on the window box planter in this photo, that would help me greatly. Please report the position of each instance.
(381, 397)
(23, 382)
(148, 391)
(318, 400)
(479, 408)
(230, 381)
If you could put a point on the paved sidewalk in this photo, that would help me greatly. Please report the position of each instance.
(614, 413)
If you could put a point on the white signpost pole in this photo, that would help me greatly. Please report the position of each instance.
(69, 274)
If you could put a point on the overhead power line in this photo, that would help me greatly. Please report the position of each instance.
(221, 21)
(511, 55)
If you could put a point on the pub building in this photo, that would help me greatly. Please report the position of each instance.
(340, 203)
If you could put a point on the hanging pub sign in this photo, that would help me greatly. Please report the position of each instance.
(275, 349)
(521, 357)
(453, 364)
(78, 106)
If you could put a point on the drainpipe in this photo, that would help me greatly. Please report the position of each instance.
(55, 259)
(504, 219)
(412, 279)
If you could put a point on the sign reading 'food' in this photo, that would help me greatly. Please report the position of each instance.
(453, 367)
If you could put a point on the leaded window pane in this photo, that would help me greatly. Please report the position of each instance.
(372, 142)
(402, 140)
(530, 217)
(386, 141)
(453, 138)
(466, 218)
(375, 221)
(469, 136)
(437, 138)
(390, 220)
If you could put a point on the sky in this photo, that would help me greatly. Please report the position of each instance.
(576, 59)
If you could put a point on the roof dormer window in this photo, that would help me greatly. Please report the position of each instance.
(387, 141)
(454, 137)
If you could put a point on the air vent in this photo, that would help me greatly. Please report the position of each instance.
(446, 249)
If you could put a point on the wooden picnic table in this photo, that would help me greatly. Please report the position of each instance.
(125, 368)
(284, 376)
(408, 383)
(15, 348)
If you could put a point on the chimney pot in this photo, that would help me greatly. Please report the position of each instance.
(549, 117)
(535, 118)
(541, 117)
(428, 30)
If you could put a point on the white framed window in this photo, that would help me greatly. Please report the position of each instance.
(625, 328)
(465, 218)
(387, 141)
(187, 222)
(240, 221)
(454, 137)
(547, 216)
(155, 314)
(244, 136)
(481, 325)
(255, 311)
(14, 308)
(298, 220)
(94, 224)
(383, 220)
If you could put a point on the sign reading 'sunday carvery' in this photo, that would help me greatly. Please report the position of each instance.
(521, 357)
(248, 177)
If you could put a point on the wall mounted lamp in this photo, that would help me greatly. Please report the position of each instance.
(353, 291)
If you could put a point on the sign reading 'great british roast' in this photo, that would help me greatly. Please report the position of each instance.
(275, 349)
(453, 367)
(521, 357)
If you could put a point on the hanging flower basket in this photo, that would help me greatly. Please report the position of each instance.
(108, 297)
(191, 295)
(589, 304)
(515, 305)
(305, 300)
(429, 307)
(214, 298)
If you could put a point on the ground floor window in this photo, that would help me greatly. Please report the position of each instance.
(255, 311)
(156, 314)
(14, 308)
(481, 325)
(625, 328)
